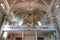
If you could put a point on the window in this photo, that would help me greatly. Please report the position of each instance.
(40, 38)
(18, 38)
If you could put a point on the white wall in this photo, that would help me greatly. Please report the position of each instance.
(29, 37)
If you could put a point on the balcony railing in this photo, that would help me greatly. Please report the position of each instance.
(17, 27)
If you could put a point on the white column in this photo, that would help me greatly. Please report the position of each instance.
(5, 34)
(23, 35)
(36, 34)
(11, 35)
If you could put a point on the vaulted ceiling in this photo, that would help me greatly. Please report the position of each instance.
(45, 4)
(16, 6)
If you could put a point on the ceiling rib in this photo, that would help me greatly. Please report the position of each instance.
(6, 4)
(13, 4)
(45, 3)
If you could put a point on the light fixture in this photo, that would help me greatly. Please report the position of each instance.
(57, 6)
(39, 23)
(5, 35)
(2, 6)
(21, 22)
